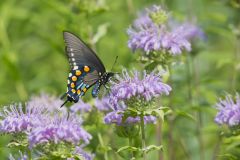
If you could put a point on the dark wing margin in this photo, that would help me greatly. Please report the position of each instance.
(80, 54)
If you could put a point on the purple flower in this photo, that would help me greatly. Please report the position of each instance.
(114, 117)
(134, 87)
(59, 129)
(43, 122)
(84, 154)
(14, 120)
(103, 104)
(143, 86)
(45, 101)
(147, 119)
(80, 107)
(153, 31)
(228, 111)
(117, 118)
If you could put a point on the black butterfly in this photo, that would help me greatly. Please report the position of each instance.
(87, 69)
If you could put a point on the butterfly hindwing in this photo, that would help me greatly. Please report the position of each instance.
(78, 84)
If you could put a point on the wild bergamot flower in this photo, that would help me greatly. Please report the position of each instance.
(154, 30)
(228, 111)
(134, 90)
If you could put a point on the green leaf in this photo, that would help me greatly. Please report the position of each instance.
(185, 114)
(151, 66)
(159, 112)
(101, 31)
(128, 148)
(153, 148)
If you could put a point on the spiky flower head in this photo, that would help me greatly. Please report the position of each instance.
(134, 89)
(59, 129)
(228, 111)
(43, 122)
(137, 85)
(80, 106)
(153, 31)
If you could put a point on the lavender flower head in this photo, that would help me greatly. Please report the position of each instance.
(134, 86)
(80, 106)
(152, 31)
(17, 118)
(14, 119)
(228, 111)
(43, 122)
(59, 129)
(103, 104)
(50, 103)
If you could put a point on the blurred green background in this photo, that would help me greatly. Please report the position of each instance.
(32, 59)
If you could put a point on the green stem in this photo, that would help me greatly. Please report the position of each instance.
(159, 138)
(236, 57)
(131, 144)
(29, 154)
(102, 145)
(191, 66)
(189, 77)
(143, 137)
(171, 152)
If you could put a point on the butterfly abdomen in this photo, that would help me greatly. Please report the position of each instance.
(96, 89)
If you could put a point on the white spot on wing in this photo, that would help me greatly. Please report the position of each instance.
(70, 75)
(75, 67)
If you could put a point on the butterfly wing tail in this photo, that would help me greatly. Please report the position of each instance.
(64, 103)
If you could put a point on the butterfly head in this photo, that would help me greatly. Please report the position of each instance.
(106, 77)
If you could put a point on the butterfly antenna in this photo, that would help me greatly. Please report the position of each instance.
(114, 62)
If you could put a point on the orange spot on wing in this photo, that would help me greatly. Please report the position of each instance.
(78, 91)
(73, 91)
(72, 85)
(84, 89)
(78, 72)
(74, 78)
(86, 69)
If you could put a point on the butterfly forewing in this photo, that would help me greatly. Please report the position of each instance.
(80, 54)
(87, 69)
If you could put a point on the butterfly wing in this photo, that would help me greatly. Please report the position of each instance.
(80, 54)
(79, 81)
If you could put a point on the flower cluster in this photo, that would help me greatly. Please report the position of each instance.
(43, 122)
(154, 30)
(228, 111)
(15, 120)
(81, 107)
(57, 129)
(135, 86)
(142, 86)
